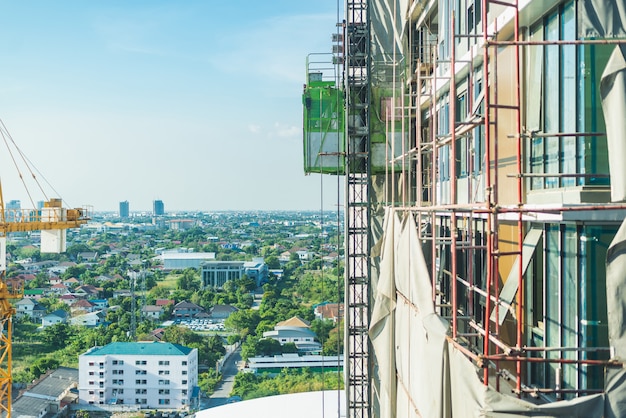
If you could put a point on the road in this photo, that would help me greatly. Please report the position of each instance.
(222, 393)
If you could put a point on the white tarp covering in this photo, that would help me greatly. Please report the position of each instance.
(382, 328)
(613, 93)
(436, 380)
(601, 19)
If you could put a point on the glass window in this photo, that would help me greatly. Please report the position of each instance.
(568, 77)
(551, 102)
(568, 95)
(553, 299)
(568, 308)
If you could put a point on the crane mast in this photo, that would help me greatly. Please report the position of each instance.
(52, 220)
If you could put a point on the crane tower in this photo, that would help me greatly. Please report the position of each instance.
(53, 221)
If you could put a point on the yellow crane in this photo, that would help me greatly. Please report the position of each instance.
(52, 220)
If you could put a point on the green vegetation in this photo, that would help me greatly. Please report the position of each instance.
(250, 386)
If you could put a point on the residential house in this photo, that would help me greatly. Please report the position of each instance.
(221, 312)
(152, 312)
(68, 299)
(60, 268)
(164, 302)
(149, 374)
(30, 308)
(36, 267)
(100, 304)
(59, 289)
(122, 293)
(82, 305)
(157, 334)
(57, 317)
(298, 331)
(87, 290)
(54, 280)
(72, 282)
(34, 294)
(329, 311)
(305, 255)
(87, 256)
(284, 258)
(186, 310)
(27, 277)
(92, 319)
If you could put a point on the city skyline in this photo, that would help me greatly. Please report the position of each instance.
(196, 104)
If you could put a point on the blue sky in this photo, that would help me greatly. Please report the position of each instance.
(195, 102)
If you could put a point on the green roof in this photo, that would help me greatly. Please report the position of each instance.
(142, 348)
(33, 291)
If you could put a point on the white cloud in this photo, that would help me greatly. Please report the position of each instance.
(285, 131)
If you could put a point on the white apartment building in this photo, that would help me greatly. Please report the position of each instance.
(149, 374)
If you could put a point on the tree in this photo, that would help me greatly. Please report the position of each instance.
(73, 271)
(289, 348)
(244, 320)
(189, 280)
(56, 336)
(248, 347)
(268, 347)
(334, 344)
(272, 262)
(43, 364)
(322, 328)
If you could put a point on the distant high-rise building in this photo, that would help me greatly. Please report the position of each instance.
(124, 209)
(13, 205)
(158, 208)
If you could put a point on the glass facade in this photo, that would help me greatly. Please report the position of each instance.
(563, 82)
(565, 292)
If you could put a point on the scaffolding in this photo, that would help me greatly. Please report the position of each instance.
(474, 236)
(357, 210)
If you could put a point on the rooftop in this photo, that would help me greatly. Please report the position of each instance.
(149, 348)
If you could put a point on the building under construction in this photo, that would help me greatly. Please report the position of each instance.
(483, 148)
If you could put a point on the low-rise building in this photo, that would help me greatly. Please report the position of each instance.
(149, 374)
(275, 364)
(217, 273)
(92, 319)
(257, 270)
(221, 312)
(82, 305)
(152, 312)
(49, 396)
(30, 308)
(329, 311)
(298, 331)
(183, 260)
(57, 317)
(186, 310)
